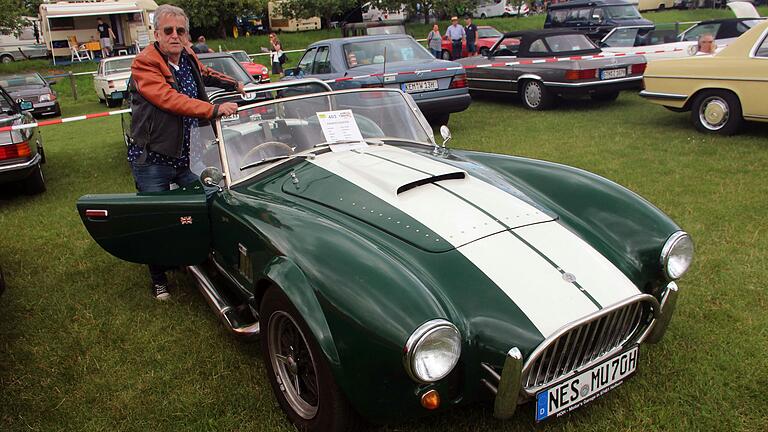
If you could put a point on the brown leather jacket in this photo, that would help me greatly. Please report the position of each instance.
(157, 105)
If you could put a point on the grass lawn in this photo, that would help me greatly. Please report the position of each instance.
(83, 346)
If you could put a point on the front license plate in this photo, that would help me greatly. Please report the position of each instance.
(587, 386)
(420, 86)
(613, 73)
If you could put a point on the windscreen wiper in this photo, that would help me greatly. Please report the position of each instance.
(275, 158)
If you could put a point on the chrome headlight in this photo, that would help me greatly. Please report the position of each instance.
(432, 351)
(677, 255)
(45, 97)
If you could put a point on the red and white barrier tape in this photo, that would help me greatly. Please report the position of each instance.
(374, 75)
(63, 120)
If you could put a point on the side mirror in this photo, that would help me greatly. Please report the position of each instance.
(25, 105)
(445, 133)
(211, 177)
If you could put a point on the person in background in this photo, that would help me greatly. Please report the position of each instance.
(457, 35)
(167, 100)
(471, 31)
(435, 42)
(105, 37)
(706, 44)
(201, 47)
(276, 50)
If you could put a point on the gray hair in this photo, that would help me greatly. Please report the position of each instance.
(169, 10)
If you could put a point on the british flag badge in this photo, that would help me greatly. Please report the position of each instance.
(185, 220)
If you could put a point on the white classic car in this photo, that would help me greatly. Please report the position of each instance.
(111, 80)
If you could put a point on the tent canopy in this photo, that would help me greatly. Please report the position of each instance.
(67, 10)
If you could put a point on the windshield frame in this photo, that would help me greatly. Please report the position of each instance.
(268, 166)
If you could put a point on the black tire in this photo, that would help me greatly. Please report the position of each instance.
(6, 59)
(505, 15)
(35, 183)
(535, 95)
(482, 16)
(484, 51)
(446, 55)
(439, 119)
(112, 103)
(285, 332)
(716, 111)
(605, 97)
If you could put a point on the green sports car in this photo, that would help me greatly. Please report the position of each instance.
(389, 277)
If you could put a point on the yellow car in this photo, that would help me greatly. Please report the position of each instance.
(720, 90)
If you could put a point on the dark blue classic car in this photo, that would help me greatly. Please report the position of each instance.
(438, 94)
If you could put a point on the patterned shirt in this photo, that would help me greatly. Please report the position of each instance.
(186, 82)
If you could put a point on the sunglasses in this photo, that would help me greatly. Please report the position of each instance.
(180, 31)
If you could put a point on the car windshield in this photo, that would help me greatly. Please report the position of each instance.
(14, 81)
(570, 42)
(240, 56)
(5, 103)
(372, 52)
(228, 66)
(488, 33)
(116, 66)
(282, 128)
(622, 12)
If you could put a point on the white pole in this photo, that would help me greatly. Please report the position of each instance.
(50, 38)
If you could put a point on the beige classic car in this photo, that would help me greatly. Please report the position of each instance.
(721, 90)
(111, 79)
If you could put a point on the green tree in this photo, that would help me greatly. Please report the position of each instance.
(325, 9)
(11, 19)
(218, 14)
(426, 8)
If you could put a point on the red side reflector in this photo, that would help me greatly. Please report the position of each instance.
(580, 74)
(459, 81)
(638, 69)
(15, 151)
(111, 84)
(96, 214)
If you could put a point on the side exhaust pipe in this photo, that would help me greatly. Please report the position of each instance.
(223, 310)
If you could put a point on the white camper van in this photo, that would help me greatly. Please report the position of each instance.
(279, 23)
(67, 25)
(27, 43)
(372, 14)
(495, 8)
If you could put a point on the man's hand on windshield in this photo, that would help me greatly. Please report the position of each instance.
(227, 108)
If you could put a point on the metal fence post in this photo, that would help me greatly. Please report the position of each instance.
(72, 84)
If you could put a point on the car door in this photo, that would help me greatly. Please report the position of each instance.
(165, 228)
(304, 67)
(321, 66)
(499, 78)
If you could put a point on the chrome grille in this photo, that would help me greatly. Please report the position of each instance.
(587, 341)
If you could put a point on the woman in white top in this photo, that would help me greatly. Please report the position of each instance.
(277, 51)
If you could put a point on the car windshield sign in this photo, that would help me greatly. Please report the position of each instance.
(283, 129)
(396, 50)
(570, 42)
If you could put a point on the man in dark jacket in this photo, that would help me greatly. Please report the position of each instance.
(167, 99)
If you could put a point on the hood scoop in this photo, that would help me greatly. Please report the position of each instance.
(423, 201)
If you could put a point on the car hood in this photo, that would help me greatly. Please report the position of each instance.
(28, 91)
(526, 257)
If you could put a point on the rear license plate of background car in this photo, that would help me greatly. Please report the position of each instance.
(420, 86)
(613, 73)
(587, 386)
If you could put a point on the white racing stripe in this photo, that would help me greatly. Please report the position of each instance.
(450, 209)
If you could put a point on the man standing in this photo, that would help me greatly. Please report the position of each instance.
(105, 38)
(471, 32)
(167, 99)
(201, 47)
(457, 36)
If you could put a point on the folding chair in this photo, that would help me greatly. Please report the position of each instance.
(77, 50)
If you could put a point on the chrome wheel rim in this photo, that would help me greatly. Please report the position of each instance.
(714, 113)
(533, 94)
(293, 365)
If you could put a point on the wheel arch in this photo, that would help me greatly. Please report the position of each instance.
(692, 97)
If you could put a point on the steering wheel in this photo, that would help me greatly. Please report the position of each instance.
(279, 148)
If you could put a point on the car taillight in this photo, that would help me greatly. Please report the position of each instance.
(637, 69)
(459, 81)
(111, 84)
(14, 151)
(580, 74)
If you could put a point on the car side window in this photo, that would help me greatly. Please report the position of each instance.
(322, 62)
(597, 15)
(762, 50)
(694, 33)
(508, 47)
(581, 14)
(305, 64)
(538, 46)
(622, 37)
(558, 16)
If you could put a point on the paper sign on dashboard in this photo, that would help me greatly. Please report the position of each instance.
(340, 127)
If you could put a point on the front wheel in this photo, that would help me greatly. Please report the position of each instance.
(6, 59)
(112, 103)
(298, 371)
(446, 55)
(484, 51)
(716, 111)
(535, 96)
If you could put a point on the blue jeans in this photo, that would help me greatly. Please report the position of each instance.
(436, 53)
(158, 178)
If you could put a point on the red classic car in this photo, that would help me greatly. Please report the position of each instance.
(259, 72)
(486, 37)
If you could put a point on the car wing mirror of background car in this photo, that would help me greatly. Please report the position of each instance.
(24, 105)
